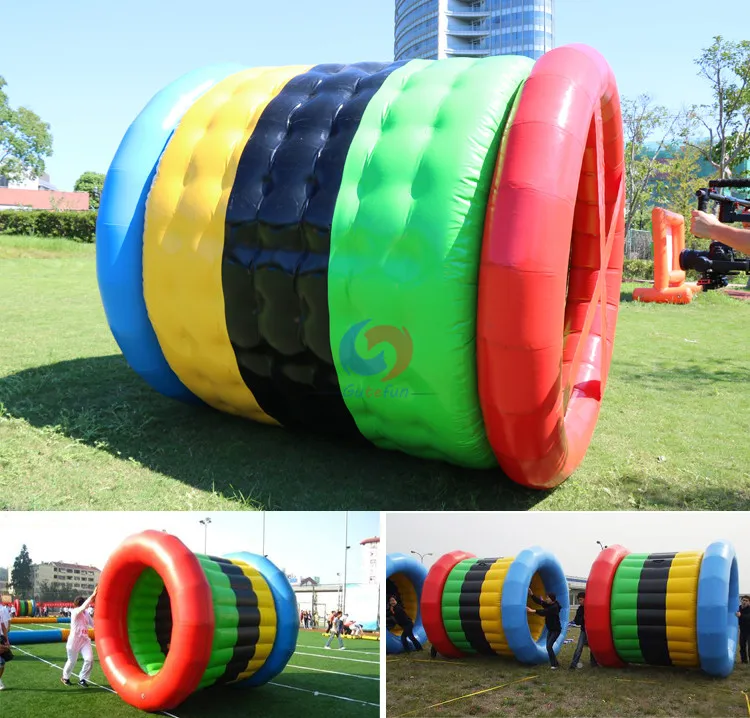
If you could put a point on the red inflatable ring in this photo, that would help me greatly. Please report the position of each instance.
(598, 616)
(192, 618)
(432, 602)
(551, 259)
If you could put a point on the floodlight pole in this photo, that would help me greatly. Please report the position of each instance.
(346, 556)
(205, 523)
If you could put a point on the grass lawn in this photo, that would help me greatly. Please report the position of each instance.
(414, 683)
(33, 686)
(80, 431)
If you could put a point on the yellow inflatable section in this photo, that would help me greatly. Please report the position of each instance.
(490, 601)
(408, 599)
(682, 602)
(184, 236)
(267, 627)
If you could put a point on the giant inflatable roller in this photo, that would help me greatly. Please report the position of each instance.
(25, 607)
(664, 609)
(425, 255)
(476, 605)
(405, 578)
(170, 622)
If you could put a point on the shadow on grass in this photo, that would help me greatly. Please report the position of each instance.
(102, 403)
(664, 495)
(691, 373)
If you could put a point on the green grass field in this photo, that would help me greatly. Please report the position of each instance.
(346, 684)
(415, 684)
(79, 430)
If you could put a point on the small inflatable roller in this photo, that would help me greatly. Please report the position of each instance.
(170, 622)
(478, 605)
(664, 609)
(425, 255)
(404, 579)
(24, 608)
(27, 619)
(29, 638)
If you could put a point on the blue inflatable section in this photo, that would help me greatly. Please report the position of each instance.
(287, 619)
(415, 573)
(28, 638)
(718, 600)
(515, 597)
(119, 227)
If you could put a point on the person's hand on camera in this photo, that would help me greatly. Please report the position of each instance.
(703, 224)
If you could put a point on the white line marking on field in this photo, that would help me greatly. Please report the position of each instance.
(59, 668)
(327, 695)
(348, 650)
(335, 658)
(337, 673)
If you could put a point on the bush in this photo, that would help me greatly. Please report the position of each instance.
(638, 269)
(49, 223)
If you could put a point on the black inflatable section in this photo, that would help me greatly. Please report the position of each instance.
(248, 626)
(277, 243)
(468, 606)
(652, 609)
(163, 621)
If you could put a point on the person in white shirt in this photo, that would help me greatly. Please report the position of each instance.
(4, 645)
(79, 641)
(4, 618)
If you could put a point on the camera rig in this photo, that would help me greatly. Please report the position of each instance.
(720, 261)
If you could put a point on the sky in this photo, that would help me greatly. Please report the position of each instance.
(571, 537)
(300, 542)
(88, 67)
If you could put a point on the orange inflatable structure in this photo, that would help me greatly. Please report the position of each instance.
(670, 287)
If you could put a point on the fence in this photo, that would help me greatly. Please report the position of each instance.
(639, 245)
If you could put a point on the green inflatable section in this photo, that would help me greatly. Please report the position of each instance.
(142, 621)
(624, 608)
(451, 605)
(405, 248)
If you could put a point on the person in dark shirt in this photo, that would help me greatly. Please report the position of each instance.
(580, 620)
(401, 617)
(550, 609)
(744, 615)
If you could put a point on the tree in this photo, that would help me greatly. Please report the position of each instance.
(25, 141)
(726, 66)
(676, 180)
(641, 119)
(91, 182)
(22, 576)
(55, 591)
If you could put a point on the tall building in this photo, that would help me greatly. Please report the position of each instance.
(435, 29)
(371, 559)
(70, 575)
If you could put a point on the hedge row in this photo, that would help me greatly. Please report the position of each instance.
(47, 223)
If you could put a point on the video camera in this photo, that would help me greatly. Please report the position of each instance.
(720, 261)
